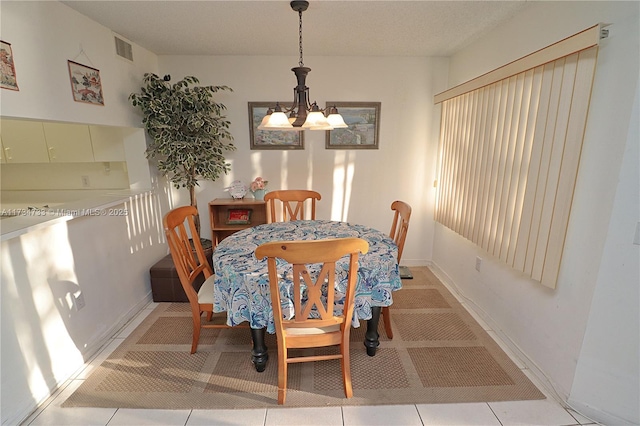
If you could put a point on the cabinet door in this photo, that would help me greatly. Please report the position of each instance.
(68, 143)
(23, 141)
(107, 142)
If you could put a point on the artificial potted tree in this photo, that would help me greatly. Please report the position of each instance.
(188, 131)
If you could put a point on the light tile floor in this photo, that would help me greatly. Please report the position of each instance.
(540, 412)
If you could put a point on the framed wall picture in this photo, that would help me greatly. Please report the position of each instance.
(269, 139)
(86, 85)
(7, 68)
(363, 119)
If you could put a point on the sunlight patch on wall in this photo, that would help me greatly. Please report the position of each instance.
(343, 172)
(144, 220)
(256, 165)
(284, 168)
(42, 263)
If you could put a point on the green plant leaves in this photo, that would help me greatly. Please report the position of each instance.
(189, 133)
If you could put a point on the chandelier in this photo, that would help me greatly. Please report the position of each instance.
(301, 115)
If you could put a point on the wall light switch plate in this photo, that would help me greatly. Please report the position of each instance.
(636, 238)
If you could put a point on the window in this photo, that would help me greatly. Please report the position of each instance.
(509, 152)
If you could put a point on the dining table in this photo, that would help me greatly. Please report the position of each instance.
(241, 286)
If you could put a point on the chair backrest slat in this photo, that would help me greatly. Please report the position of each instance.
(400, 224)
(314, 291)
(292, 204)
(301, 254)
(187, 253)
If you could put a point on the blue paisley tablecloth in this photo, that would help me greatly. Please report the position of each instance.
(242, 282)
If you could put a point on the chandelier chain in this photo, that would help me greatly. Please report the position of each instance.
(301, 63)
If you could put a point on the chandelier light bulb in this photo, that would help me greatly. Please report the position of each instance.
(277, 121)
(335, 119)
(316, 121)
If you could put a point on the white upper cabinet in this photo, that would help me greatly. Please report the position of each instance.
(68, 143)
(107, 143)
(23, 141)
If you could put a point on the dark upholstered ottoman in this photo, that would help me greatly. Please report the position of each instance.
(165, 284)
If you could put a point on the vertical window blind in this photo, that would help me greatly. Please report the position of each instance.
(509, 152)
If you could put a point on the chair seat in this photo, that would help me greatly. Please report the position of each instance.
(205, 294)
(293, 331)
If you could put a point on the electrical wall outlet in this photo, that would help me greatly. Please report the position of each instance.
(85, 182)
(78, 301)
(478, 263)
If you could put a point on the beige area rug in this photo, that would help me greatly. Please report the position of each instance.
(439, 354)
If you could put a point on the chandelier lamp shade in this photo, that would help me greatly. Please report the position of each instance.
(302, 115)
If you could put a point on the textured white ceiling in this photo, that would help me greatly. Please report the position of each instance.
(330, 27)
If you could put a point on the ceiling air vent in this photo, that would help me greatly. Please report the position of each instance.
(124, 49)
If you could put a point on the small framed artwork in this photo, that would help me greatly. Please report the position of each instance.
(7, 68)
(270, 139)
(86, 85)
(239, 217)
(363, 119)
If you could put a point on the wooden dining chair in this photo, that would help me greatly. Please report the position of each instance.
(302, 331)
(292, 203)
(399, 228)
(190, 261)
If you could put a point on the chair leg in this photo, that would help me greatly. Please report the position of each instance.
(209, 315)
(282, 379)
(346, 370)
(196, 333)
(386, 319)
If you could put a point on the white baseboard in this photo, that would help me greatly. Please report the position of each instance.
(602, 417)
(542, 379)
(549, 388)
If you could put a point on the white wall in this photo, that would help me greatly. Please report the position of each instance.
(610, 358)
(356, 185)
(106, 259)
(548, 326)
(43, 36)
